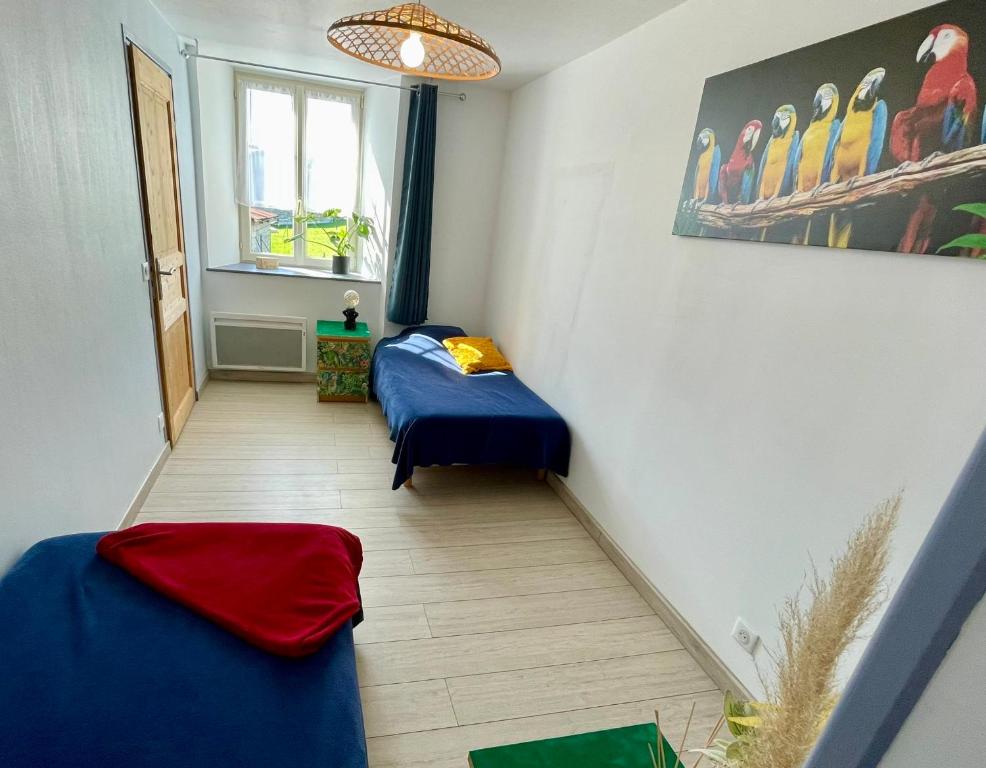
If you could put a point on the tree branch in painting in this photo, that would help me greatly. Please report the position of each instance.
(906, 179)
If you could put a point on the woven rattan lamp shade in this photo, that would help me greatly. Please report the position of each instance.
(451, 52)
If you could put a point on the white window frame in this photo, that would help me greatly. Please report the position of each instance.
(298, 88)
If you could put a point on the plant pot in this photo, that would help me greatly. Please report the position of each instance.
(340, 265)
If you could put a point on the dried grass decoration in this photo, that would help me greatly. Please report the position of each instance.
(801, 692)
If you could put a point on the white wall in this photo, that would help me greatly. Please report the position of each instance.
(468, 162)
(733, 405)
(264, 294)
(945, 726)
(79, 392)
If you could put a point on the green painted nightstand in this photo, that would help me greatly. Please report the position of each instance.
(343, 362)
(617, 746)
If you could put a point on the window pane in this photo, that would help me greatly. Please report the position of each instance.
(331, 152)
(318, 238)
(270, 229)
(270, 160)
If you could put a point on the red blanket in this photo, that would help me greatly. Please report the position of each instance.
(285, 587)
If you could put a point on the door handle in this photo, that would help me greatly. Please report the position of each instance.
(166, 271)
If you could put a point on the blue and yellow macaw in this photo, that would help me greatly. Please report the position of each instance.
(776, 174)
(817, 147)
(706, 167)
(777, 164)
(814, 161)
(859, 146)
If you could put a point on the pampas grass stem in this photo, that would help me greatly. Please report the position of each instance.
(802, 690)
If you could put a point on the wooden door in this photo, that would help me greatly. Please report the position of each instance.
(157, 156)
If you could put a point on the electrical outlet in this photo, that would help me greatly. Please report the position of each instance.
(745, 637)
(160, 423)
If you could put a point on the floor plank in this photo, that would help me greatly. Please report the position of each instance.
(406, 498)
(225, 501)
(406, 707)
(542, 691)
(387, 562)
(499, 614)
(179, 483)
(423, 536)
(191, 507)
(484, 557)
(522, 649)
(505, 582)
(390, 623)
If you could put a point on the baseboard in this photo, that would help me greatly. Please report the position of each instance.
(710, 662)
(289, 377)
(145, 488)
(202, 384)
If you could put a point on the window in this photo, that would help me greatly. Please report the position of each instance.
(298, 148)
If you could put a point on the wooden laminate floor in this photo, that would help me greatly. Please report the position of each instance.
(491, 615)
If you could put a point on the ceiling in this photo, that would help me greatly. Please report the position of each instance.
(532, 37)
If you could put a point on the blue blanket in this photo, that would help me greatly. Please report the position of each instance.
(438, 415)
(97, 669)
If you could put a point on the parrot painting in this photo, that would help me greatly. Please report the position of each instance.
(737, 176)
(776, 174)
(706, 167)
(814, 159)
(940, 120)
(858, 146)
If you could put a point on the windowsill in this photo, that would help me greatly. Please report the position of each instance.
(249, 268)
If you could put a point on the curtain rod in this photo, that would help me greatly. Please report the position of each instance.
(194, 54)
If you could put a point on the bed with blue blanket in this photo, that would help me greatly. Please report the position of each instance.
(97, 669)
(439, 416)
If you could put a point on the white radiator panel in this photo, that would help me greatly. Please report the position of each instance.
(259, 342)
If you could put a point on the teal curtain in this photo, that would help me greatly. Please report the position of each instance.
(407, 302)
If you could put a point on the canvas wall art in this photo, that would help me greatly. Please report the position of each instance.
(875, 140)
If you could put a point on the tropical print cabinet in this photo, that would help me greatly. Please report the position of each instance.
(343, 362)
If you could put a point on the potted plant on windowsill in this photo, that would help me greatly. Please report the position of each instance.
(339, 240)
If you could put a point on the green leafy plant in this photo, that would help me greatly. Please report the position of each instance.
(976, 240)
(340, 240)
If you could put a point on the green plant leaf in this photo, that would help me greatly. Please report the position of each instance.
(966, 241)
(976, 209)
(747, 722)
(734, 751)
(741, 716)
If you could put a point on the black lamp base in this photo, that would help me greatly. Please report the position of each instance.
(350, 315)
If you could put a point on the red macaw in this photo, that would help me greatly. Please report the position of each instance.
(738, 174)
(940, 120)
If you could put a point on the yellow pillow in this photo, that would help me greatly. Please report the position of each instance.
(476, 354)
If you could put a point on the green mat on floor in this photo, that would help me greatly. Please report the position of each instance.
(615, 748)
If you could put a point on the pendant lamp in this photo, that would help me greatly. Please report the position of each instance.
(413, 39)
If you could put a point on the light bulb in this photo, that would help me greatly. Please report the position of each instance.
(412, 51)
(351, 299)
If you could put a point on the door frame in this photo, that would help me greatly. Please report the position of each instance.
(129, 39)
